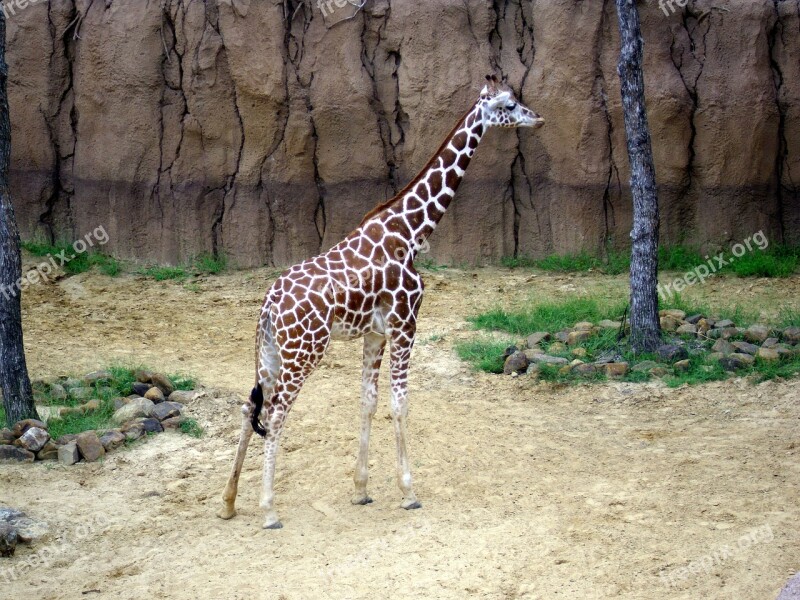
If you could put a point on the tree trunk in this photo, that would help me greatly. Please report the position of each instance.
(645, 328)
(14, 382)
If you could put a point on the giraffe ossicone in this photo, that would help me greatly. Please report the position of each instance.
(365, 286)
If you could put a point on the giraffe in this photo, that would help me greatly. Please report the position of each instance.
(364, 286)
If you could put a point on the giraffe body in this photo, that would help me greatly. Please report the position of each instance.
(365, 286)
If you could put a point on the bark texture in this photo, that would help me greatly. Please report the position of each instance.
(15, 386)
(255, 128)
(645, 329)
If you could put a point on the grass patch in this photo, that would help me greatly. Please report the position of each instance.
(192, 428)
(486, 355)
(774, 261)
(549, 316)
(209, 264)
(204, 264)
(164, 273)
(429, 265)
(78, 263)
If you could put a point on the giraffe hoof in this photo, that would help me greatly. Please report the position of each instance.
(362, 501)
(413, 505)
(226, 513)
(275, 525)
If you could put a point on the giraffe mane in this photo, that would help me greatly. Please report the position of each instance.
(384, 205)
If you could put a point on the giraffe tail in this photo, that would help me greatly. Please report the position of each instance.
(257, 400)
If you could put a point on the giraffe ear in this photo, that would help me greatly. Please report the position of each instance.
(490, 88)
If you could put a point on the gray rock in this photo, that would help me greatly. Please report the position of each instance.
(176, 422)
(723, 324)
(607, 324)
(8, 540)
(141, 407)
(535, 338)
(163, 383)
(578, 336)
(516, 363)
(68, 453)
(645, 366)
(693, 319)
(791, 591)
(562, 336)
(682, 366)
(16, 454)
(155, 395)
(90, 447)
(133, 430)
(615, 370)
(112, 440)
(672, 352)
(139, 388)
(96, 377)
(34, 439)
(143, 376)
(66, 439)
(80, 393)
(768, 354)
(151, 425)
(48, 452)
(756, 334)
(584, 369)
(792, 335)
(770, 342)
(58, 392)
(546, 359)
(745, 347)
(687, 329)
(723, 346)
(21, 427)
(184, 396)
(28, 530)
(669, 323)
(6, 437)
(166, 410)
(736, 361)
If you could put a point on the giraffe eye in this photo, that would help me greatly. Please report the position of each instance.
(511, 106)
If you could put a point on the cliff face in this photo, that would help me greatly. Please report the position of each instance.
(261, 129)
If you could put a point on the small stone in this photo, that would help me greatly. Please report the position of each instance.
(535, 339)
(672, 352)
(745, 347)
(616, 370)
(675, 313)
(21, 427)
(770, 342)
(584, 369)
(756, 334)
(715, 356)
(584, 326)
(509, 351)
(48, 452)
(16, 454)
(723, 324)
(687, 329)
(645, 366)
(576, 337)
(557, 348)
(143, 376)
(58, 392)
(607, 324)
(516, 363)
(80, 393)
(530, 354)
(6, 437)
(768, 354)
(163, 383)
(703, 326)
(141, 407)
(736, 361)
(139, 388)
(166, 410)
(66, 439)
(669, 323)
(68, 453)
(151, 425)
(111, 440)
(562, 336)
(176, 422)
(723, 346)
(120, 402)
(34, 439)
(546, 359)
(659, 371)
(8, 540)
(133, 430)
(682, 366)
(96, 377)
(725, 333)
(89, 445)
(155, 395)
(784, 350)
(693, 319)
(579, 352)
(792, 335)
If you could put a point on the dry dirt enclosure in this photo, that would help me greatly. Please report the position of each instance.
(528, 490)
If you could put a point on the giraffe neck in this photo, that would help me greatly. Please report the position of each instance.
(420, 207)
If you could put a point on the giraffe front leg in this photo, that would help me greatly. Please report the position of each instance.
(373, 353)
(228, 509)
(400, 358)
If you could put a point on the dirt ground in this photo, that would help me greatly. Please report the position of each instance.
(529, 490)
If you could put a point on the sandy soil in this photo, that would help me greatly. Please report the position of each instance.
(529, 490)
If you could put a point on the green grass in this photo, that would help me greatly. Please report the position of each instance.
(204, 264)
(428, 265)
(78, 263)
(774, 261)
(485, 355)
(209, 264)
(192, 428)
(549, 316)
(163, 273)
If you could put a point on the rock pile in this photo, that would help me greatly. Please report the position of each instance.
(153, 406)
(16, 526)
(718, 339)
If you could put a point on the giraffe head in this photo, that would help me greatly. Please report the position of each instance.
(502, 109)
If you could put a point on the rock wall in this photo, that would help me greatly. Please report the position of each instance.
(265, 129)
